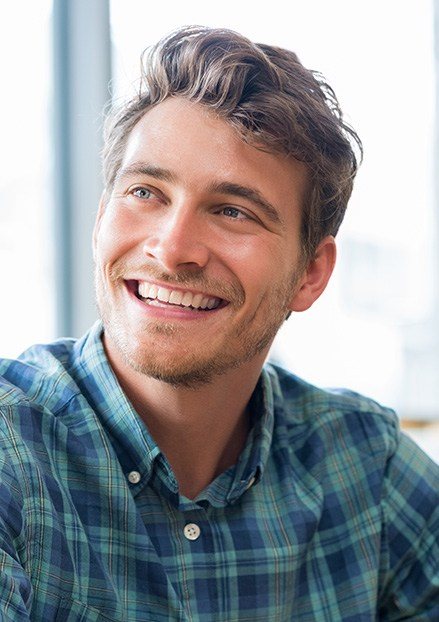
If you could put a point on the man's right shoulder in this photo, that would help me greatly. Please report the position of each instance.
(40, 377)
(36, 390)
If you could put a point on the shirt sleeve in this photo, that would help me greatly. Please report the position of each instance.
(410, 546)
(15, 585)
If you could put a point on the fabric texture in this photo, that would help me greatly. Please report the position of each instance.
(331, 514)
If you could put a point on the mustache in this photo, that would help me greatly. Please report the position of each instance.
(192, 279)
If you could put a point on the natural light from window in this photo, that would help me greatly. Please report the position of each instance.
(26, 237)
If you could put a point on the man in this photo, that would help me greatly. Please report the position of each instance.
(156, 469)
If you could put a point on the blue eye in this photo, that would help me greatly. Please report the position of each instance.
(142, 193)
(233, 212)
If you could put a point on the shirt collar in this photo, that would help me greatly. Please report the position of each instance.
(134, 446)
(252, 462)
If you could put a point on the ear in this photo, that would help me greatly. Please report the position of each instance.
(100, 213)
(315, 276)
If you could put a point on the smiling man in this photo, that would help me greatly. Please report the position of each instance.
(158, 469)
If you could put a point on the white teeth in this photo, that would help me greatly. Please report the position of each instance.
(153, 290)
(197, 299)
(187, 299)
(144, 289)
(163, 294)
(176, 297)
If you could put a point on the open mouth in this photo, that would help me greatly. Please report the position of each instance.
(184, 299)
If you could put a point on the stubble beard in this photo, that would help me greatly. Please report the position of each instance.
(194, 369)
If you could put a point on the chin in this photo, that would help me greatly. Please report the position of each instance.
(185, 373)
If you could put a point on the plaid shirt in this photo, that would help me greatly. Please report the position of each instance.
(330, 513)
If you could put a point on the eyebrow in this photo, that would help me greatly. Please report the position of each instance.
(225, 187)
(139, 168)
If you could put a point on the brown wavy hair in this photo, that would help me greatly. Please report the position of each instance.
(265, 92)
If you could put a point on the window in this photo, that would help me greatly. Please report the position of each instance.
(26, 254)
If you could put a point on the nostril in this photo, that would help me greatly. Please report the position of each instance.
(146, 251)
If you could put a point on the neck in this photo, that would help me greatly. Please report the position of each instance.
(202, 430)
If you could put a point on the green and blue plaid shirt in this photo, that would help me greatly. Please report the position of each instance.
(330, 514)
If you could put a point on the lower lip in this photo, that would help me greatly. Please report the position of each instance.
(167, 311)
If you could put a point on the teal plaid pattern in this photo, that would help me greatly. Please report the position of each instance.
(331, 514)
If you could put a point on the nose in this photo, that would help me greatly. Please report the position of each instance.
(177, 240)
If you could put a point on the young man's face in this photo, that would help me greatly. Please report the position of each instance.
(197, 249)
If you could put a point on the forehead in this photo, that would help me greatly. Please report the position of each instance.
(201, 149)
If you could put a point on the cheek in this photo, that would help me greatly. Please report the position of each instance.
(260, 261)
(116, 236)
(271, 279)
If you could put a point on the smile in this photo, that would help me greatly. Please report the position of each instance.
(159, 295)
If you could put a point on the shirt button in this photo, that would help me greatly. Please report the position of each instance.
(134, 477)
(192, 531)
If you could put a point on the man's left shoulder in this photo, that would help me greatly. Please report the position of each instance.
(334, 417)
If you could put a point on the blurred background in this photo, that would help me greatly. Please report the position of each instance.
(376, 329)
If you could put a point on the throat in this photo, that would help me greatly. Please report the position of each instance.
(199, 452)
